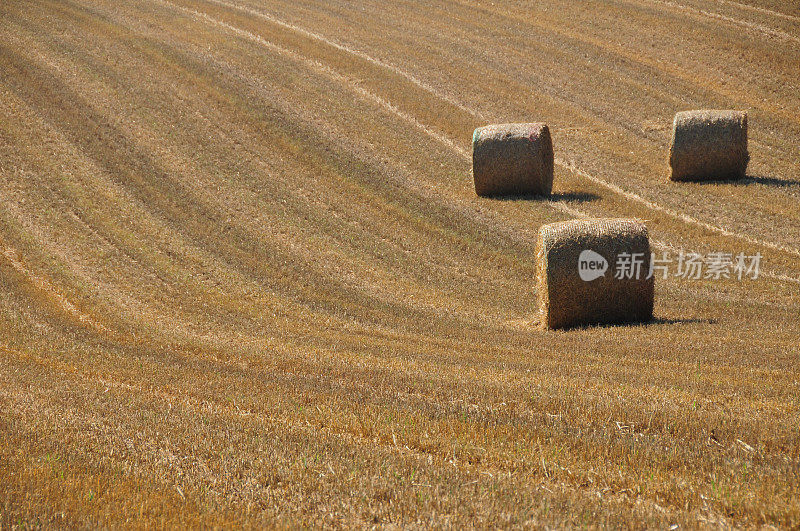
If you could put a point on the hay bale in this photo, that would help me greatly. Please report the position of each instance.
(566, 299)
(512, 159)
(709, 145)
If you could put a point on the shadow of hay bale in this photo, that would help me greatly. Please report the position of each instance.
(567, 197)
(749, 180)
(656, 321)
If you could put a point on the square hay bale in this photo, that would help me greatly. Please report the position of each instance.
(512, 159)
(576, 268)
(709, 145)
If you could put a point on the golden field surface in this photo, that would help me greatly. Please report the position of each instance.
(245, 279)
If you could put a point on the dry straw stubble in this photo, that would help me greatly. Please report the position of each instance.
(566, 300)
(512, 159)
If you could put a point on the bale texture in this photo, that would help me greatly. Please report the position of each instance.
(566, 300)
(512, 159)
(709, 145)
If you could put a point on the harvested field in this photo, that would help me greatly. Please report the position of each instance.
(245, 279)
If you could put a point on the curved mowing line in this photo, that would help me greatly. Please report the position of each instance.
(678, 215)
(743, 23)
(43, 285)
(333, 74)
(760, 9)
(565, 164)
(347, 49)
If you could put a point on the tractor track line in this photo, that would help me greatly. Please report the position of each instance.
(42, 284)
(758, 28)
(760, 10)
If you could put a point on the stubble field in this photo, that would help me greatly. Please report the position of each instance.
(245, 279)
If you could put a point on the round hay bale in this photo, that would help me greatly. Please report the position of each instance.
(512, 159)
(576, 290)
(709, 145)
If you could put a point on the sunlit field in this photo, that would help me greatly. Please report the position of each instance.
(246, 281)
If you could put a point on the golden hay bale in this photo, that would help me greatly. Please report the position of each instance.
(512, 159)
(573, 294)
(709, 145)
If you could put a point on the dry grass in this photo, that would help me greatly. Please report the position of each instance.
(245, 279)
